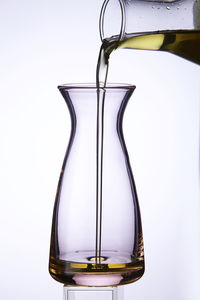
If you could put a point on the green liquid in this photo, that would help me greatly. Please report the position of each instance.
(185, 43)
(119, 273)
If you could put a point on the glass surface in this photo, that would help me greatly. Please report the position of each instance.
(124, 17)
(97, 293)
(96, 232)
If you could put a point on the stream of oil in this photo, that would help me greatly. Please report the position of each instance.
(183, 43)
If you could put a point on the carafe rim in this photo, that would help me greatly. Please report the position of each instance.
(93, 86)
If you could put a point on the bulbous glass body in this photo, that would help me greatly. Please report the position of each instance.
(96, 231)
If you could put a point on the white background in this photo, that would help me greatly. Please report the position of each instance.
(46, 43)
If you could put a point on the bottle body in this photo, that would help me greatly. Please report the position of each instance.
(139, 17)
(170, 26)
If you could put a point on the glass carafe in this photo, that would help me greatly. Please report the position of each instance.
(96, 231)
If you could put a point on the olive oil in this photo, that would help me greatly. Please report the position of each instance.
(184, 43)
(113, 269)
